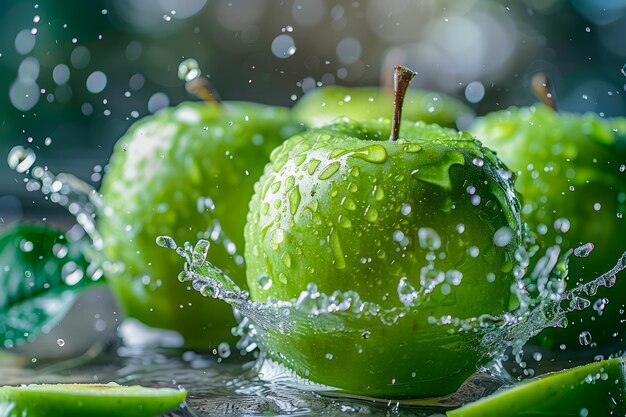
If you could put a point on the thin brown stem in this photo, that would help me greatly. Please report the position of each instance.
(542, 87)
(402, 77)
(201, 88)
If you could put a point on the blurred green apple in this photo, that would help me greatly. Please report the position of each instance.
(321, 106)
(570, 173)
(187, 172)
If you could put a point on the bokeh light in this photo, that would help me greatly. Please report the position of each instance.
(82, 72)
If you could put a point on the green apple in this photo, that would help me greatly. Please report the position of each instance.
(187, 172)
(321, 106)
(570, 173)
(87, 400)
(597, 389)
(427, 224)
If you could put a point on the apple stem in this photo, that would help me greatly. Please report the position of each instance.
(542, 87)
(201, 88)
(402, 77)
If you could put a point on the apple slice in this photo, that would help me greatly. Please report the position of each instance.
(93, 400)
(597, 389)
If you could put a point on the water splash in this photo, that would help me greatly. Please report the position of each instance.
(584, 250)
(79, 198)
(84, 202)
(541, 294)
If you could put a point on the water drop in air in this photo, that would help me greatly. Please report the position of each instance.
(584, 250)
(189, 70)
(96, 82)
(166, 242)
(584, 338)
(283, 46)
(21, 159)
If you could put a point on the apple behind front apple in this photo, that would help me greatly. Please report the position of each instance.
(187, 172)
(321, 106)
(571, 175)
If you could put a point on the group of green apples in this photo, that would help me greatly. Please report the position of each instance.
(356, 193)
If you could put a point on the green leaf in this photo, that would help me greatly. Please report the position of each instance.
(42, 273)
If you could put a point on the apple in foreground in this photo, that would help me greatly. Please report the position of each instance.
(426, 223)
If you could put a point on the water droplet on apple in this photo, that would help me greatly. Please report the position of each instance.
(345, 222)
(373, 153)
(313, 164)
(411, 147)
(264, 282)
(502, 237)
(379, 193)
(454, 277)
(286, 258)
(478, 162)
(294, 199)
(348, 203)
(428, 238)
(330, 170)
(289, 182)
(335, 246)
(371, 214)
(277, 236)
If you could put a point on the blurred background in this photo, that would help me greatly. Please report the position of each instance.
(75, 74)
